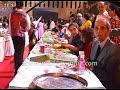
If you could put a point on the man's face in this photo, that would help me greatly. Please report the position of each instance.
(101, 7)
(100, 30)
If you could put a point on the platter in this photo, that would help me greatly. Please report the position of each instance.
(58, 81)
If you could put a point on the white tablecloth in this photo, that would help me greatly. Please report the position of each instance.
(9, 48)
(1, 49)
(29, 70)
(6, 47)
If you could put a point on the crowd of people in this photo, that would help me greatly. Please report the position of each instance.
(84, 32)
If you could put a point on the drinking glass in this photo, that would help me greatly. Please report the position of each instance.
(46, 69)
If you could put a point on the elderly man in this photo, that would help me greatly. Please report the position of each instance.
(106, 54)
(102, 11)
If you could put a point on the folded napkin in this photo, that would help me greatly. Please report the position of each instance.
(41, 58)
(69, 58)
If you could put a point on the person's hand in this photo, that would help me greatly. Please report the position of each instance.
(66, 36)
(65, 45)
(53, 33)
(57, 41)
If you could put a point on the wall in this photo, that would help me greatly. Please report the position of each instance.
(63, 12)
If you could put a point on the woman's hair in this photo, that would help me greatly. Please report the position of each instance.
(88, 34)
(74, 24)
(4, 24)
(116, 8)
(60, 26)
(55, 30)
(86, 16)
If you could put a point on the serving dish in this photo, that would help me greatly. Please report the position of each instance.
(58, 81)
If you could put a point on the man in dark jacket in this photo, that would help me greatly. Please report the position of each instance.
(107, 56)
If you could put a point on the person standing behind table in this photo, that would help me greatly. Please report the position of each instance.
(45, 26)
(86, 21)
(113, 11)
(79, 19)
(71, 14)
(75, 44)
(92, 19)
(19, 24)
(52, 24)
(108, 59)
(65, 30)
(60, 33)
(32, 36)
(79, 10)
(41, 28)
(102, 11)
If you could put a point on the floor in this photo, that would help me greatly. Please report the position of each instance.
(7, 69)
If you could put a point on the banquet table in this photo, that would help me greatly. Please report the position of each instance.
(7, 47)
(30, 69)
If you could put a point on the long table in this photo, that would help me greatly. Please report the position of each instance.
(29, 70)
(6, 46)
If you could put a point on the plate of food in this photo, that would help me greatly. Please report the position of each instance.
(57, 46)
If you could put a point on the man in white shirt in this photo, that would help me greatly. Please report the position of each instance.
(102, 11)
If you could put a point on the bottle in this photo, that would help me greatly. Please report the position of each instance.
(81, 64)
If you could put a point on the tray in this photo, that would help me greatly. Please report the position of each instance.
(58, 81)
